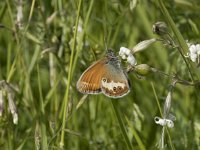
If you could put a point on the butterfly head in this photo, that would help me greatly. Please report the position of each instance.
(110, 53)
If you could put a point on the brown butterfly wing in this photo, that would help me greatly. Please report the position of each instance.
(90, 80)
(115, 83)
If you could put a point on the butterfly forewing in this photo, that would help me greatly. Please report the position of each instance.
(90, 80)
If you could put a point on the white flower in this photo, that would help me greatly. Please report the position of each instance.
(164, 122)
(192, 49)
(125, 53)
(198, 52)
(198, 49)
(194, 52)
(193, 57)
(128, 52)
(131, 60)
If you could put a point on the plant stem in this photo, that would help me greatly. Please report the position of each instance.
(42, 113)
(121, 125)
(66, 97)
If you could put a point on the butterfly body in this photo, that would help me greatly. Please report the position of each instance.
(105, 76)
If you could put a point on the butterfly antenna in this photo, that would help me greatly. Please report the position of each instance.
(105, 44)
(109, 51)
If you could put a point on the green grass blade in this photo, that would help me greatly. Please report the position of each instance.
(121, 125)
(137, 137)
(66, 97)
(42, 114)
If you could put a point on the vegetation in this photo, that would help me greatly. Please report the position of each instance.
(46, 45)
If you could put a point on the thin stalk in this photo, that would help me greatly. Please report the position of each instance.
(12, 20)
(121, 125)
(66, 97)
(13, 66)
(30, 16)
(42, 113)
(82, 35)
(137, 137)
(9, 143)
(157, 101)
(170, 139)
(9, 58)
(159, 107)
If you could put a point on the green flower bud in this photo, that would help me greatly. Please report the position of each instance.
(142, 69)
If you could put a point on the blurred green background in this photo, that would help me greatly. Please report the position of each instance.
(36, 46)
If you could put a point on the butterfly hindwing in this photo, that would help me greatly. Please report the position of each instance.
(115, 83)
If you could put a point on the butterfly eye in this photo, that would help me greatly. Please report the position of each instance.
(104, 80)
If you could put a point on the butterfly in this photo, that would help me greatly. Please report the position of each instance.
(105, 76)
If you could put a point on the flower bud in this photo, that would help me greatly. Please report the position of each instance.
(143, 69)
(143, 45)
(160, 28)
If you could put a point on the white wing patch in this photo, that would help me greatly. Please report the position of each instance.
(111, 85)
